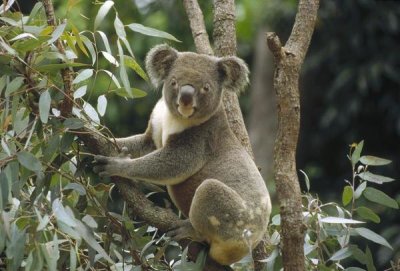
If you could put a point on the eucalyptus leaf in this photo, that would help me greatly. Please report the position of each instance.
(80, 92)
(355, 156)
(14, 85)
(341, 254)
(133, 93)
(77, 187)
(29, 161)
(361, 187)
(57, 33)
(378, 196)
(91, 112)
(73, 123)
(122, 71)
(110, 58)
(101, 105)
(131, 63)
(367, 213)
(83, 75)
(62, 214)
(347, 195)
(372, 236)
(44, 106)
(104, 9)
(105, 41)
(339, 220)
(151, 31)
(374, 178)
(119, 28)
(374, 161)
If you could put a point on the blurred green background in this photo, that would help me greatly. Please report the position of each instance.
(350, 84)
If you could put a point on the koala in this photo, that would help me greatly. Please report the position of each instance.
(189, 147)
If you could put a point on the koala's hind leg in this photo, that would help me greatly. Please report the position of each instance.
(219, 214)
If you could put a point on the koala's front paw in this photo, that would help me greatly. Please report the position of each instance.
(109, 166)
(184, 229)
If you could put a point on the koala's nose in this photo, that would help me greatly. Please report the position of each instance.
(186, 95)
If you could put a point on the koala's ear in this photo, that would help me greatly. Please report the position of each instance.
(159, 61)
(234, 73)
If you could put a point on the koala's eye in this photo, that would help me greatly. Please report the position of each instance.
(206, 88)
(173, 82)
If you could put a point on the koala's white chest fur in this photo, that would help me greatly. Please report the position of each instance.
(164, 124)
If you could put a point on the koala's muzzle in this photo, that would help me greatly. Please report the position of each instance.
(186, 95)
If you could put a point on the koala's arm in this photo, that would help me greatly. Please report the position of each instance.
(137, 145)
(167, 166)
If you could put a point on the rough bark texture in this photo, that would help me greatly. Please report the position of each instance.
(199, 32)
(288, 61)
(67, 73)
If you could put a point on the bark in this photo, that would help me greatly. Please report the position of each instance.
(199, 32)
(288, 61)
(67, 73)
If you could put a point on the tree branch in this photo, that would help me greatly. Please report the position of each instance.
(288, 61)
(225, 45)
(197, 25)
(66, 73)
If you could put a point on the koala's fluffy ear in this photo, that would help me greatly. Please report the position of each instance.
(234, 73)
(159, 61)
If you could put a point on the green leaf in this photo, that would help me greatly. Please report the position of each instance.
(369, 260)
(57, 67)
(105, 41)
(77, 187)
(133, 93)
(73, 123)
(44, 106)
(355, 156)
(122, 71)
(29, 161)
(90, 47)
(119, 28)
(374, 161)
(339, 220)
(361, 187)
(306, 180)
(347, 195)
(358, 254)
(367, 213)
(57, 33)
(354, 269)
(341, 254)
(131, 63)
(80, 92)
(110, 58)
(83, 75)
(372, 236)
(14, 85)
(77, 35)
(104, 9)
(101, 105)
(378, 196)
(151, 32)
(374, 178)
(5, 191)
(65, 215)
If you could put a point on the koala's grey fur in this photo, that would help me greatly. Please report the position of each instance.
(189, 147)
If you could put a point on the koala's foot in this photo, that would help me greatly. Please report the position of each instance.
(106, 166)
(184, 229)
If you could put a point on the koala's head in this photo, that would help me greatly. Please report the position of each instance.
(193, 84)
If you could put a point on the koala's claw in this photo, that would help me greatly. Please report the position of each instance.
(183, 229)
(103, 165)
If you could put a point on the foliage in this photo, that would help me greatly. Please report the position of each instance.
(55, 215)
(332, 240)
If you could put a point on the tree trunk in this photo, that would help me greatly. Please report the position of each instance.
(288, 61)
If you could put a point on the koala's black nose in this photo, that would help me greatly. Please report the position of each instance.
(186, 95)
